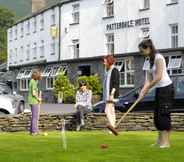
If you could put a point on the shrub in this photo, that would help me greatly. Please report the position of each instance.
(62, 85)
(93, 83)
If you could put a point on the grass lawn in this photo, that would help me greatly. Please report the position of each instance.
(85, 147)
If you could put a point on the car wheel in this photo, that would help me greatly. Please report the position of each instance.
(21, 108)
(2, 113)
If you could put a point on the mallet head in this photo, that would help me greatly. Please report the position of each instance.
(112, 129)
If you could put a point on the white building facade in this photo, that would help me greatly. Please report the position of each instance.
(76, 34)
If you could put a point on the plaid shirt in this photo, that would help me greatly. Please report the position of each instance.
(84, 98)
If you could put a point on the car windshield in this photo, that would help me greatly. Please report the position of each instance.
(4, 89)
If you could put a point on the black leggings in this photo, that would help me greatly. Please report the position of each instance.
(164, 102)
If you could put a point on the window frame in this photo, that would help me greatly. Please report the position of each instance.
(76, 13)
(123, 62)
(174, 37)
(110, 43)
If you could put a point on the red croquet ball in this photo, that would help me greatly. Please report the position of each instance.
(103, 146)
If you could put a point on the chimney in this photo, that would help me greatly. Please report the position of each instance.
(37, 5)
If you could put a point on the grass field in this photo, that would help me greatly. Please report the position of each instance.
(85, 147)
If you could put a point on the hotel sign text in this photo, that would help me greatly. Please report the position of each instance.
(128, 24)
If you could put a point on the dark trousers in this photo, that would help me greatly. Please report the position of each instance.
(164, 102)
(81, 112)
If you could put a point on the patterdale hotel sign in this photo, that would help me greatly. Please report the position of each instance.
(128, 24)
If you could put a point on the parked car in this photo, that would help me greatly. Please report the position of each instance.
(148, 103)
(10, 102)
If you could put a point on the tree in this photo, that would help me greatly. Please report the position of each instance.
(63, 88)
(93, 83)
(6, 20)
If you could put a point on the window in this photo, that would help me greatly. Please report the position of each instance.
(28, 27)
(126, 68)
(84, 70)
(175, 65)
(22, 30)
(10, 56)
(76, 13)
(109, 8)
(144, 5)
(10, 35)
(75, 45)
(21, 53)
(50, 73)
(28, 53)
(24, 77)
(42, 49)
(34, 51)
(50, 83)
(174, 35)
(53, 18)
(16, 32)
(53, 46)
(34, 25)
(24, 84)
(110, 43)
(15, 59)
(41, 22)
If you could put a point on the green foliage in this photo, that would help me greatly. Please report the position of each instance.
(93, 83)
(22, 8)
(63, 85)
(6, 20)
(129, 146)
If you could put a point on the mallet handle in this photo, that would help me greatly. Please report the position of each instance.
(130, 109)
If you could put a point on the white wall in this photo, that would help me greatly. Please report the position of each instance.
(92, 28)
(34, 37)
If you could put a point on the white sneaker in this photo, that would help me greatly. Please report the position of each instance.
(164, 146)
(78, 128)
(82, 122)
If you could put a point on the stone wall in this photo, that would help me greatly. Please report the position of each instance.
(134, 121)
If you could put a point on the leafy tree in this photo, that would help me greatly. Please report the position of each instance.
(6, 20)
(93, 83)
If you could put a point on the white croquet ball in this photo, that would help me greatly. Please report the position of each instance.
(45, 134)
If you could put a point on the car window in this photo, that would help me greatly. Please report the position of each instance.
(180, 86)
(4, 89)
(151, 93)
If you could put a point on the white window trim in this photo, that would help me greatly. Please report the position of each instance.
(110, 44)
(47, 87)
(123, 60)
(27, 85)
(170, 69)
(108, 5)
(75, 50)
(174, 35)
(169, 2)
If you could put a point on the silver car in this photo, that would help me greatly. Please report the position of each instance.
(10, 102)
